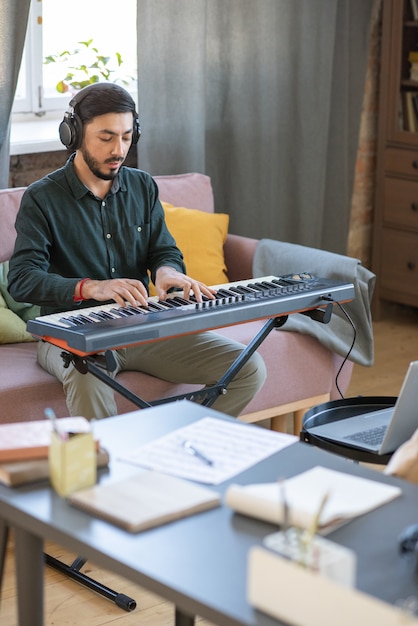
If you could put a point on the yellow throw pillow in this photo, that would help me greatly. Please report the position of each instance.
(201, 237)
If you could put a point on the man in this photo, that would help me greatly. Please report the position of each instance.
(88, 233)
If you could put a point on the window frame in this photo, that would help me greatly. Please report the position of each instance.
(34, 105)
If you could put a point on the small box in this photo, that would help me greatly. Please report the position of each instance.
(72, 462)
(298, 595)
(317, 554)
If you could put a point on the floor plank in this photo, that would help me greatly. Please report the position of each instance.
(67, 603)
(396, 345)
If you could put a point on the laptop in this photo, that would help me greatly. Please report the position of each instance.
(381, 431)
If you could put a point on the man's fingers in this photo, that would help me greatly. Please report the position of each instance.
(131, 294)
(121, 290)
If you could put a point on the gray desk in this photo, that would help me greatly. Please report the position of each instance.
(197, 563)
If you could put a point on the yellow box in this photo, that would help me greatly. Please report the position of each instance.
(72, 462)
(274, 582)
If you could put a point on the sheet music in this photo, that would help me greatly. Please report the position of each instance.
(232, 447)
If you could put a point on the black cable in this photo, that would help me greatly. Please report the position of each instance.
(350, 350)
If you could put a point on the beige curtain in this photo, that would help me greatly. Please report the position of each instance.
(13, 22)
(361, 218)
(265, 96)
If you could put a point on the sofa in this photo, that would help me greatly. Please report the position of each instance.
(301, 371)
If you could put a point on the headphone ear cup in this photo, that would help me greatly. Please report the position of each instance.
(136, 131)
(70, 131)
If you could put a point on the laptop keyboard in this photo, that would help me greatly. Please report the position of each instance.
(373, 436)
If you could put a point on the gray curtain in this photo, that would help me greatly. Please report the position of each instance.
(265, 97)
(13, 23)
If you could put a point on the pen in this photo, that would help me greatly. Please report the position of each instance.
(308, 537)
(50, 414)
(191, 449)
(317, 519)
(285, 510)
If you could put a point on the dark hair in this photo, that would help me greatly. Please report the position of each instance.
(101, 98)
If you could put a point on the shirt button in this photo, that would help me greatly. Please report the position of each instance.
(108, 236)
(113, 270)
(139, 229)
(103, 203)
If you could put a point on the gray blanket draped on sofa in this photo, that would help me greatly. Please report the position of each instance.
(280, 258)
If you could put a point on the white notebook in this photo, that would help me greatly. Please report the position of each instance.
(299, 498)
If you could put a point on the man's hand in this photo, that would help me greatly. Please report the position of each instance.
(167, 277)
(121, 290)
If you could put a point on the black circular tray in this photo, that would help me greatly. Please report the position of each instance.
(335, 410)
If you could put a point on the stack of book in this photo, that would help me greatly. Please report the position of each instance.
(24, 448)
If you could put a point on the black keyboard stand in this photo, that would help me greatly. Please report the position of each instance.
(73, 571)
(98, 365)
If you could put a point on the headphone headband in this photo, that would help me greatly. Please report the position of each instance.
(71, 127)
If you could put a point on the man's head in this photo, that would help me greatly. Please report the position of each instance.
(91, 102)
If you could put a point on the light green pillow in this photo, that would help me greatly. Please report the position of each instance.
(24, 310)
(13, 315)
(12, 327)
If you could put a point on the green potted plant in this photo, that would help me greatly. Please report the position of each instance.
(85, 66)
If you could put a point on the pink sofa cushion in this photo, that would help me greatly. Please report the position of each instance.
(25, 388)
(193, 191)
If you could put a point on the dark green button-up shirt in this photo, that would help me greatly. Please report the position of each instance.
(65, 233)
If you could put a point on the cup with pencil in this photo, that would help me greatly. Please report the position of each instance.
(72, 458)
(306, 548)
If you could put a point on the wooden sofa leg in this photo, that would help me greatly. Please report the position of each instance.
(297, 420)
(279, 423)
(279, 414)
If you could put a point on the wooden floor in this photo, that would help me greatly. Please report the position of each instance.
(396, 345)
(68, 604)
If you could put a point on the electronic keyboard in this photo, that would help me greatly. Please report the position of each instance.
(87, 331)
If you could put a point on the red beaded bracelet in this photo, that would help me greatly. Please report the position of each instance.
(80, 297)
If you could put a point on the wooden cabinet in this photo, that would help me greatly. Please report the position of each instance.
(395, 240)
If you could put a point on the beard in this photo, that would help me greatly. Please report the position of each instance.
(94, 166)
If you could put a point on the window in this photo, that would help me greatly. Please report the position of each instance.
(57, 26)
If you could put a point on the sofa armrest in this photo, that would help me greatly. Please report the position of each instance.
(9, 206)
(239, 254)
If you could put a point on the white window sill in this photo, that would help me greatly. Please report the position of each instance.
(40, 135)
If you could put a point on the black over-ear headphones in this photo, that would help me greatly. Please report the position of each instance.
(71, 127)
